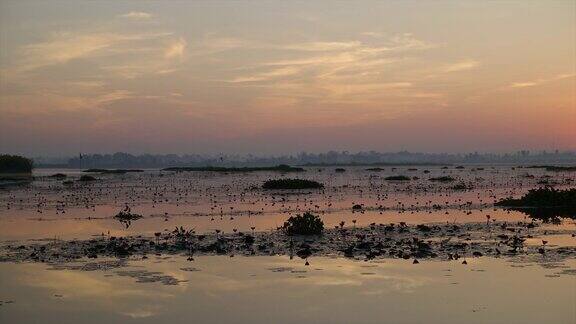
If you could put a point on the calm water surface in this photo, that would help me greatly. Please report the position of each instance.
(275, 289)
(279, 290)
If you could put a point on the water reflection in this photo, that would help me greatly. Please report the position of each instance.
(552, 215)
(275, 289)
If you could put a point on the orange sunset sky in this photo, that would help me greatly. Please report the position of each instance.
(269, 77)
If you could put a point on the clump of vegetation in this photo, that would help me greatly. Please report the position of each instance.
(460, 167)
(547, 204)
(15, 164)
(554, 168)
(375, 169)
(461, 186)
(340, 170)
(292, 184)
(115, 171)
(543, 198)
(58, 176)
(87, 178)
(443, 179)
(127, 216)
(305, 224)
(397, 178)
(278, 168)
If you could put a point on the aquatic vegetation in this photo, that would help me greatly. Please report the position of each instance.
(292, 184)
(544, 198)
(397, 178)
(554, 168)
(112, 171)
(461, 186)
(278, 168)
(340, 170)
(443, 179)
(87, 178)
(438, 241)
(547, 204)
(305, 224)
(15, 164)
(58, 176)
(126, 217)
(375, 169)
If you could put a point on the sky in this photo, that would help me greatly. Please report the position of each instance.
(271, 77)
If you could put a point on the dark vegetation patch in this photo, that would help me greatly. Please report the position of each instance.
(278, 168)
(554, 168)
(340, 170)
(113, 171)
(292, 184)
(542, 197)
(126, 217)
(375, 169)
(548, 204)
(87, 178)
(15, 164)
(397, 178)
(378, 241)
(12, 179)
(461, 186)
(443, 179)
(305, 224)
(374, 164)
(58, 176)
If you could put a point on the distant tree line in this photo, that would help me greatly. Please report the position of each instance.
(125, 160)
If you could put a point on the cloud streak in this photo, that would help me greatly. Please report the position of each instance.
(538, 82)
(139, 15)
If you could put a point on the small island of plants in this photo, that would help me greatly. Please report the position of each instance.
(397, 178)
(305, 224)
(277, 168)
(442, 179)
(543, 198)
(15, 164)
(112, 171)
(292, 184)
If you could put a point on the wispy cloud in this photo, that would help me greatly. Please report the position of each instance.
(322, 46)
(84, 68)
(63, 47)
(269, 75)
(460, 66)
(137, 15)
(538, 82)
(335, 72)
(176, 48)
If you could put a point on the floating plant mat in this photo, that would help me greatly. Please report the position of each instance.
(378, 241)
